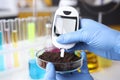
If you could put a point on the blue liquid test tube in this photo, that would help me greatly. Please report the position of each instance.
(14, 35)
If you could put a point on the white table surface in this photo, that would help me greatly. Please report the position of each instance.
(111, 73)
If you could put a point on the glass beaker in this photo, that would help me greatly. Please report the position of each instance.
(96, 63)
(104, 63)
(92, 59)
(34, 71)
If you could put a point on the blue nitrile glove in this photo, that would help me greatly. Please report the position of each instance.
(83, 75)
(96, 38)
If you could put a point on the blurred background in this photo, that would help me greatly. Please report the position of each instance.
(25, 28)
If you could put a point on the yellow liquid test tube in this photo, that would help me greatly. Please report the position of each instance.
(14, 38)
(14, 34)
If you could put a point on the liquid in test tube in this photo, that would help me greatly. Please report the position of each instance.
(17, 21)
(14, 38)
(31, 31)
(1, 36)
(7, 31)
(40, 26)
(24, 29)
(14, 34)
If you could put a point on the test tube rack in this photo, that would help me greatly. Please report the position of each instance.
(17, 37)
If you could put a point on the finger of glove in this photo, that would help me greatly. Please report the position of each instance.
(50, 72)
(78, 46)
(84, 68)
(68, 38)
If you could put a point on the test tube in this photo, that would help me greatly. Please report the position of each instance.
(40, 29)
(18, 29)
(30, 29)
(24, 25)
(14, 34)
(1, 35)
(7, 31)
(37, 27)
(23, 29)
(47, 24)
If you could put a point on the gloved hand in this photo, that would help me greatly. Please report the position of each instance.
(83, 75)
(96, 38)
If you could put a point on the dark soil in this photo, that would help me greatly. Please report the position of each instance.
(54, 57)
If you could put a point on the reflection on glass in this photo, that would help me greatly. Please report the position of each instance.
(2, 65)
(16, 59)
(92, 62)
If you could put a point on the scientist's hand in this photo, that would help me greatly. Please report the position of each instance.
(83, 75)
(95, 37)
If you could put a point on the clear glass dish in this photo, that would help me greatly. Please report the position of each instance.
(60, 67)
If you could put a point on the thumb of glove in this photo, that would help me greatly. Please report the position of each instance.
(50, 72)
(84, 68)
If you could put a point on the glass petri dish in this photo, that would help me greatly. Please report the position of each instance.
(60, 67)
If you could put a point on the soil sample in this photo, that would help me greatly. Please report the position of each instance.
(69, 62)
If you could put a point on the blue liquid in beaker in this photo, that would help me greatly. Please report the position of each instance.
(35, 72)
